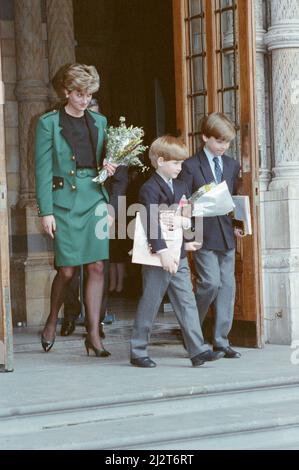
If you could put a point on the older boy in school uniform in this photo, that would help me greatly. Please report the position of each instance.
(215, 261)
(167, 154)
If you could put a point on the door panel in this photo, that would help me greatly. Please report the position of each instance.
(5, 311)
(215, 71)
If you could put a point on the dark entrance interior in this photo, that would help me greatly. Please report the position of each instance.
(131, 44)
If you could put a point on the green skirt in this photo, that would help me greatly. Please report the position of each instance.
(82, 233)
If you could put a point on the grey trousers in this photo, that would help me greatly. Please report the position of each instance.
(216, 286)
(156, 282)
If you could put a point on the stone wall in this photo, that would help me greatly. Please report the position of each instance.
(30, 283)
(7, 36)
(8, 48)
(280, 181)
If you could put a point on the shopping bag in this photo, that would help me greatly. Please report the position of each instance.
(142, 254)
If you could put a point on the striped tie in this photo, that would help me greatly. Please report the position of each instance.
(218, 172)
(170, 184)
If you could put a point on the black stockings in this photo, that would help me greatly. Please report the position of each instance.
(94, 285)
(93, 294)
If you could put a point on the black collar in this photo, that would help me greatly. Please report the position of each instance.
(66, 129)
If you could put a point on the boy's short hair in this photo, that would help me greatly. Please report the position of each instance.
(169, 148)
(79, 77)
(219, 126)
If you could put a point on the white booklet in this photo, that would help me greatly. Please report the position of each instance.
(242, 213)
(141, 253)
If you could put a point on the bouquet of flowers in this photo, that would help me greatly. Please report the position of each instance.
(212, 200)
(123, 145)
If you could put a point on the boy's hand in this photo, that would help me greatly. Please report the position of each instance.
(192, 246)
(239, 233)
(181, 222)
(187, 211)
(168, 262)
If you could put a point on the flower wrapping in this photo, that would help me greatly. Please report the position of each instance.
(212, 200)
(123, 145)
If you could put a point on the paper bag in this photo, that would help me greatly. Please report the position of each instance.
(142, 254)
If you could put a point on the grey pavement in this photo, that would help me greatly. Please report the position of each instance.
(66, 373)
(70, 384)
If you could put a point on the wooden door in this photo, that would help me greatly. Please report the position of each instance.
(214, 44)
(6, 348)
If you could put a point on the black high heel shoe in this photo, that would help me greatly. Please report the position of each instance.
(98, 352)
(47, 345)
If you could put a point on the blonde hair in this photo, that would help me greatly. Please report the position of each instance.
(219, 126)
(168, 148)
(79, 77)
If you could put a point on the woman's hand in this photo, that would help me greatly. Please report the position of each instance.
(49, 225)
(110, 167)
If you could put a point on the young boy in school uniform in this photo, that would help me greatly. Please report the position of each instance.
(215, 261)
(167, 154)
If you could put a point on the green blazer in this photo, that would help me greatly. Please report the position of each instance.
(55, 161)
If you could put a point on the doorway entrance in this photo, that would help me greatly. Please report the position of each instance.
(131, 44)
(215, 71)
(165, 64)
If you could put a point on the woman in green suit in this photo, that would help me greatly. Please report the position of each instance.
(73, 208)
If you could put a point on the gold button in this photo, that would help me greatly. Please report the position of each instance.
(73, 157)
(60, 183)
(73, 187)
(72, 172)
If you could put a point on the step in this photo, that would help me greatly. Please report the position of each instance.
(169, 420)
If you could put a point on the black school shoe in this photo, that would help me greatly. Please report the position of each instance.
(142, 362)
(206, 356)
(229, 353)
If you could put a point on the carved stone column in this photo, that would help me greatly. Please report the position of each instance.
(265, 170)
(280, 216)
(31, 90)
(282, 40)
(30, 265)
(61, 41)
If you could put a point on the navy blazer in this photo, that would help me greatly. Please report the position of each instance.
(218, 232)
(155, 191)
